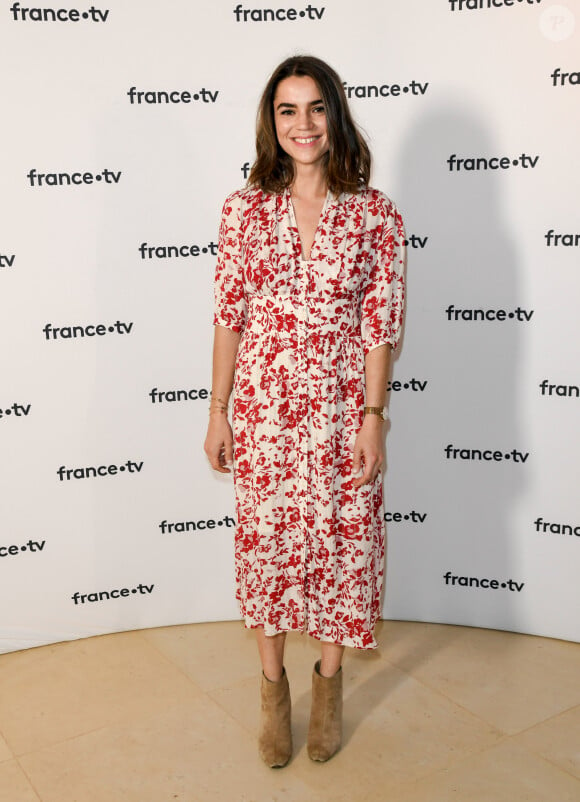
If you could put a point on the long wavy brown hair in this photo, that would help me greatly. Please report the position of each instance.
(348, 161)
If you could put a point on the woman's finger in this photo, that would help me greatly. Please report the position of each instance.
(372, 467)
(220, 460)
(228, 450)
(366, 472)
(216, 455)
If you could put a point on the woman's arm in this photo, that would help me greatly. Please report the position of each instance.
(369, 447)
(219, 440)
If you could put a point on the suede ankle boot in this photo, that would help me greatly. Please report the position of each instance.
(275, 738)
(325, 731)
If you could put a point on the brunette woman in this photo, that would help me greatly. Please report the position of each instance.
(308, 305)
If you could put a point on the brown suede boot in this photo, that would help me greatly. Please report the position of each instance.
(325, 731)
(275, 738)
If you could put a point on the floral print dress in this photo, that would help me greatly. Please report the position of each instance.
(309, 547)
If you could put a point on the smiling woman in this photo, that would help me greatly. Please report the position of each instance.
(308, 304)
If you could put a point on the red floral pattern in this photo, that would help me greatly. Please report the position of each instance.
(309, 547)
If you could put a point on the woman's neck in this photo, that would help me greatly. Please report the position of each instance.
(309, 182)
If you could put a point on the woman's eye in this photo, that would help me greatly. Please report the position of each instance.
(319, 109)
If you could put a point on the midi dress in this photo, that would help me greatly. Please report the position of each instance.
(309, 547)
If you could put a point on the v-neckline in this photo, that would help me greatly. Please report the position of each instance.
(294, 223)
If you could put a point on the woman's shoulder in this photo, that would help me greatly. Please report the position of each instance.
(373, 200)
(378, 202)
(247, 202)
(248, 195)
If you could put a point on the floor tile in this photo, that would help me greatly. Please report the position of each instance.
(558, 740)
(505, 773)
(242, 702)
(512, 681)
(54, 693)
(5, 752)
(14, 785)
(193, 753)
(213, 655)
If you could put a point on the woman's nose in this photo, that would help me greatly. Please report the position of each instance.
(304, 119)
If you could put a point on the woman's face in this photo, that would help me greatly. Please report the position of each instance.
(300, 119)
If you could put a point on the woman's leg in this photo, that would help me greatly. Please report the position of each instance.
(330, 658)
(271, 649)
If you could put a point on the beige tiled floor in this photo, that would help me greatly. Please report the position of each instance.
(437, 713)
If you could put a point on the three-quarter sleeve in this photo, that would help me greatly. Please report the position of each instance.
(230, 300)
(383, 297)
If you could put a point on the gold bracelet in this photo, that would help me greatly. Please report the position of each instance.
(380, 411)
(218, 405)
(217, 398)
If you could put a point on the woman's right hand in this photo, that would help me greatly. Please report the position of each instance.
(219, 443)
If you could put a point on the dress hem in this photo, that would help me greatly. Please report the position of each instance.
(317, 636)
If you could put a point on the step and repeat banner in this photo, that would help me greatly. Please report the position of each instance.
(125, 125)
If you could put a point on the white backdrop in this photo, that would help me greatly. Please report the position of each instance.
(110, 516)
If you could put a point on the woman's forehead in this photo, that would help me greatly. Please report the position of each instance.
(297, 88)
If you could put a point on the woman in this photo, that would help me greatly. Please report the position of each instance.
(309, 303)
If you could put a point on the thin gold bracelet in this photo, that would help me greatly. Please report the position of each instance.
(217, 398)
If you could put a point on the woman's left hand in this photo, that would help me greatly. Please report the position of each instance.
(369, 451)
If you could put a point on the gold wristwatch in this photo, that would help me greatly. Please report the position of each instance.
(375, 411)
